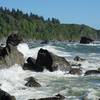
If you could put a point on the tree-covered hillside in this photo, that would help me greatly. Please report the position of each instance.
(36, 27)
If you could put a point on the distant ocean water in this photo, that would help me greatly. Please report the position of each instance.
(73, 87)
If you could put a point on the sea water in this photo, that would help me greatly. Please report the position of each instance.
(73, 87)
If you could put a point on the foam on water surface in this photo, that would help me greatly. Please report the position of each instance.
(73, 87)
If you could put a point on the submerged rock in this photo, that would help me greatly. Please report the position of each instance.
(74, 71)
(92, 72)
(9, 55)
(56, 97)
(5, 96)
(77, 58)
(31, 82)
(86, 40)
(45, 42)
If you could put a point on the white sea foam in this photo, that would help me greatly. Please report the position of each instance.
(71, 86)
(34, 51)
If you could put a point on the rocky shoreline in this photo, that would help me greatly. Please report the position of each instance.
(9, 55)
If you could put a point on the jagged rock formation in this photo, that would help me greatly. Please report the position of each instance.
(9, 55)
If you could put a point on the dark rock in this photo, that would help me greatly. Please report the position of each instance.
(47, 60)
(13, 39)
(86, 40)
(74, 71)
(60, 63)
(78, 65)
(30, 65)
(35, 68)
(45, 42)
(3, 52)
(31, 82)
(44, 59)
(77, 58)
(9, 55)
(5, 96)
(56, 97)
(92, 72)
(31, 61)
(51, 62)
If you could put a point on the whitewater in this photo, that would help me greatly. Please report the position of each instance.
(73, 87)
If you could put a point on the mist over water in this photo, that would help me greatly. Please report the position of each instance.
(73, 87)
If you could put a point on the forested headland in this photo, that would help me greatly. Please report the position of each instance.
(32, 26)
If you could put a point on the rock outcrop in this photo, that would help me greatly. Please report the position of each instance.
(77, 58)
(47, 60)
(9, 55)
(31, 82)
(86, 40)
(51, 62)
(31, 65)
(92, 72)
(5, 96)
(75, 71)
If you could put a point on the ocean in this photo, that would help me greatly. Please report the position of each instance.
(73, 87)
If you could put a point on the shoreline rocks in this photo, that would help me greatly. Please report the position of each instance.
(91, 72)
(86, 40)
(47, 60)
(5, 96)
(75, 71)
(77, 58)
(9, 55)
(56, 97)
(31, 82)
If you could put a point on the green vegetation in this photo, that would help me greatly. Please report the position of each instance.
(36, 27)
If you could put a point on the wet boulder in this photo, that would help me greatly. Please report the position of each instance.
(91, 72)
(77, 58)
(51, 62)
(74, 71)
(31, 82)
(14, 39)
(44, 59)
(31, 65)
(9, 55)
(56, 97)
(47, 60)
(31, 61)
(5, 96)
(86, 40)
